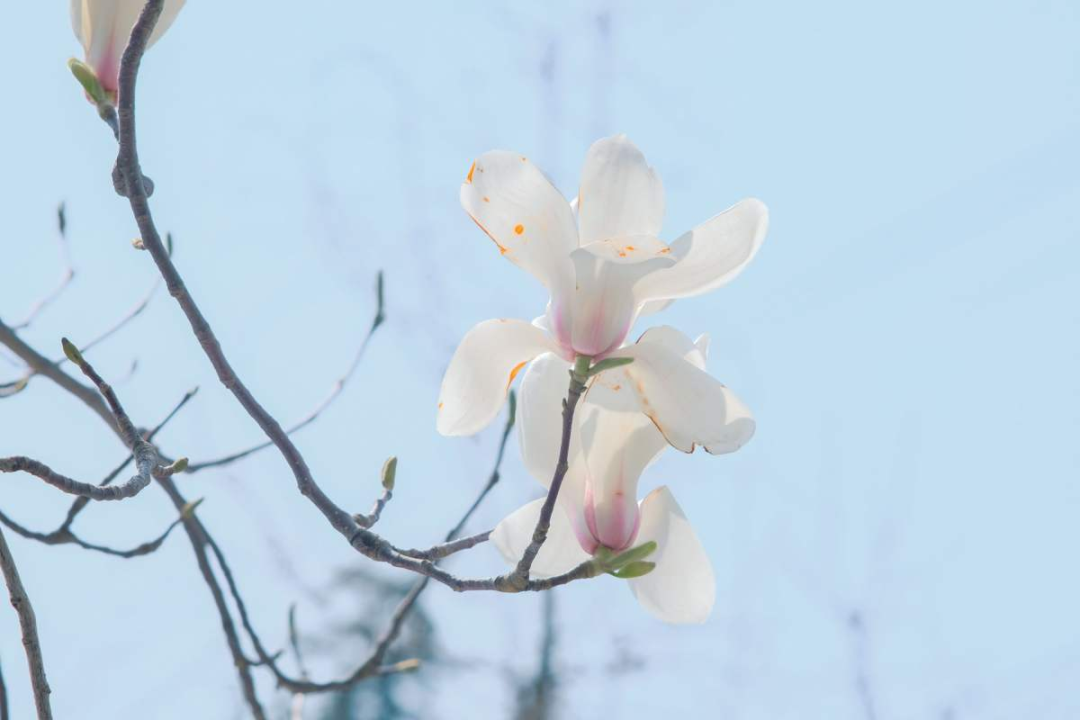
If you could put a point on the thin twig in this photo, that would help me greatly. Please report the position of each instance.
(42, 365)
(146, 459)
(520, 575)
(67, 537)
(65, 280)
(79, 504)
(28, 625)
(199, 538)
(335, 392)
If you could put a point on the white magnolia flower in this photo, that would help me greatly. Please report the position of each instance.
(104, 26)
(611, 445)
(602, 269)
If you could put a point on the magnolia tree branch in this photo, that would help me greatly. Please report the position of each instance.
(146, 460)
(128, 177)
(65, 536)
(373, 665)
(200, 539)
(28, 625)
(42, 365)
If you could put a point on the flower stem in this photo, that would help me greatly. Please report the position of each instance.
(519, 578)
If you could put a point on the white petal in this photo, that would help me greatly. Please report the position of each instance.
(560, 553)
(479, 376)
(600, 309)
(539, 420)
(620, 194)
(519, 208)
(682, 588)
(711, 254)
(688, 406)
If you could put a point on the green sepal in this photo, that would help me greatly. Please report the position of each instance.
(89, 81)
(634, 570)
(609, 364)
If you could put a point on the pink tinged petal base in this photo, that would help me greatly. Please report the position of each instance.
(480, 373)
(682, 587)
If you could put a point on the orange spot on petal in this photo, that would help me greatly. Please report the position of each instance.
(631, 248)
(514, 372)
(665, 251)
(440, 406)
(487, 199)
(518, 229)
(468, 178)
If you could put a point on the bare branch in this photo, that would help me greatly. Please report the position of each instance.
(199, 538)
(520, 576)
(78, 505)
(63, 536)
(28, 625)
(339, 386)
(42, 365)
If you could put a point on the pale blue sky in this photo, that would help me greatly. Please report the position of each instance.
(907, 338)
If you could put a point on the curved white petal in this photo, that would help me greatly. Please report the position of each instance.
(688, 406)
(529, 220)
(710, 255)
(682, 588)
(479, 376)
(539, 420)
(560, 553)
(620, 194)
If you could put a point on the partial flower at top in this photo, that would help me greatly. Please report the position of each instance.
(104, 27)
(611, 445)
(602, 268)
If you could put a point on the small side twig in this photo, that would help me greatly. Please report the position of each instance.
(65, 280)
(335, 392)
(67, 537)
(28, 625)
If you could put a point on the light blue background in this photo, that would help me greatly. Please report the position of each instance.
(907, 339)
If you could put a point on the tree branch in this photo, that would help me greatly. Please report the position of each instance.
(28, 624)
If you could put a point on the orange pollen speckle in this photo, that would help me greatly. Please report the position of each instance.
(468, 178)
(523, 159)
(514, 372)
(487, 199)
(616, 388)
(622, 254)
(518, 229)
(502, 250)
(631, 248)
(440, 406)
(665, 251)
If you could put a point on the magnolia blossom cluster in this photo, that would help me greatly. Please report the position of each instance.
(602, 261)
